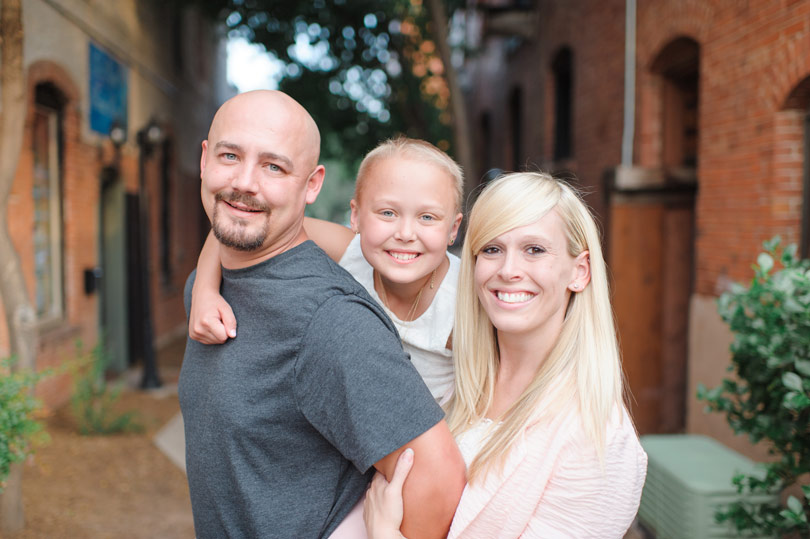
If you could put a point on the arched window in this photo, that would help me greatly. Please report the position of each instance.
(678, 66)
(805, 232)
(562, 72)
(793, 175)
(47, 137)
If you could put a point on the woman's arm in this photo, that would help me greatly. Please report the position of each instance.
(331, 237)
(210, 319)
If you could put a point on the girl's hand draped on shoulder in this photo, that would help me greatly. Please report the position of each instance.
(210, 319)
(383, 508)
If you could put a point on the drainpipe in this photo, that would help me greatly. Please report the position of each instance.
(628, 132)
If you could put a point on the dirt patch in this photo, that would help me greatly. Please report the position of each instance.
(118, 486)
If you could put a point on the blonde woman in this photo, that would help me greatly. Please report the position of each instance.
(538, 406)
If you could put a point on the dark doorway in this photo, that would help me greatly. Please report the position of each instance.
(114, 295)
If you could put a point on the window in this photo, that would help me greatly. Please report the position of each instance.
(561, 69)
(805, 232)
(47, 198)
(165, 214)
(516, 117)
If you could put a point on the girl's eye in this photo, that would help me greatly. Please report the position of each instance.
(428, 218)
(387, 213)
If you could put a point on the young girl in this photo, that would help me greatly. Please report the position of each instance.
(538, 407)
(404, 215)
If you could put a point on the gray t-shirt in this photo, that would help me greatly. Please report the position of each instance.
(284, 423)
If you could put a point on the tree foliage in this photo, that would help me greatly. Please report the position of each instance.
(769, 397)
(364, 70)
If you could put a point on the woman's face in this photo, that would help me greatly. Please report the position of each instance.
(524, 278)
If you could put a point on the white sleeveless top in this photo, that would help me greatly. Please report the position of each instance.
(426, 337)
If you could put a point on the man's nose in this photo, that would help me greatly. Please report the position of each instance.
(244, 179)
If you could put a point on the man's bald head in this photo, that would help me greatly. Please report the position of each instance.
(259, 170)
(276, 110)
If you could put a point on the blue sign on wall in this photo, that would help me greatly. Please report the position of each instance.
(108, 92)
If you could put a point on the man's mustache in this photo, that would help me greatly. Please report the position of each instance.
(242, 198)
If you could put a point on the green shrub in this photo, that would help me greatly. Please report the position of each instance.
(769, 397)
(20, 431)
(93, 400)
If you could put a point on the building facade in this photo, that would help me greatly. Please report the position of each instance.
(104, 210)
(692, 153)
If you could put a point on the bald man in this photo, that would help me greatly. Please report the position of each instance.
(286, 423)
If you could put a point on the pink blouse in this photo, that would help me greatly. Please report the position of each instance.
(553, 485)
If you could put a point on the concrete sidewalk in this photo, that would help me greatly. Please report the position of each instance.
(171, 441)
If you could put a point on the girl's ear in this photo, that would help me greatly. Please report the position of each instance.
(353, 217)
(581, 272)
(454, 230)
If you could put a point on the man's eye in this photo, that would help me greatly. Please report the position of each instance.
(274, 168)
(230, 156)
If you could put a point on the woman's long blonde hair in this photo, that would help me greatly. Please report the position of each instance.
(583, 368)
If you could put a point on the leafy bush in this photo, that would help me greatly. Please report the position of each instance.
(769, 397)
(20, 431)
(93, 400)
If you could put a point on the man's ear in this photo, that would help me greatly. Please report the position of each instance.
(314, 183)
(203, 156)
(353, 216)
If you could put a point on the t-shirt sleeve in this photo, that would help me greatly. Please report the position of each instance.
(355, 384)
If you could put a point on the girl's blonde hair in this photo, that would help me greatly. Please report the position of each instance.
(418, 150)
(583, 368)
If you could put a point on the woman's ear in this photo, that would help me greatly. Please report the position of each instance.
(581, 272)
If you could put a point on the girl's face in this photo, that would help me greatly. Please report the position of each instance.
(406, 216)
(525, 277)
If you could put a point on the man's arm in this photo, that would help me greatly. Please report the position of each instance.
(434, 485)
(331, 237)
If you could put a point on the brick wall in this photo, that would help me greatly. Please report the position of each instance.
(754, 91)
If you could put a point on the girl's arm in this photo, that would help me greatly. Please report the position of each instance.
(331, 237)
(210, 319)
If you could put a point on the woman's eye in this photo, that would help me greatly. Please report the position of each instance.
(536, 250)
(491, 250)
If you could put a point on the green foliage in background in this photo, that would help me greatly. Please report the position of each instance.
(20, 431)
(94, 399)
(370, 70)
(768, 398)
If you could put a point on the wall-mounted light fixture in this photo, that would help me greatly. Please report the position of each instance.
(118, 134)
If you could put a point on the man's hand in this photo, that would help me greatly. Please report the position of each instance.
(211, 320)
(383, 510)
